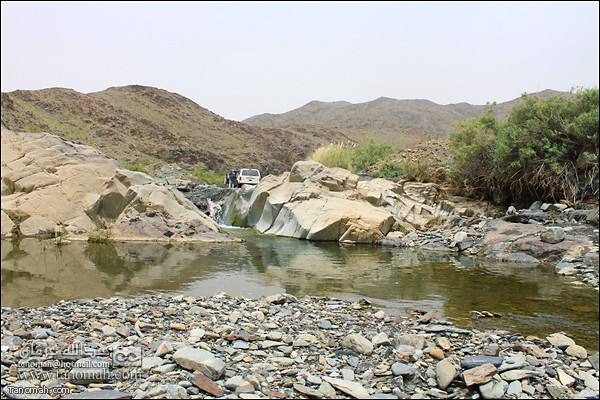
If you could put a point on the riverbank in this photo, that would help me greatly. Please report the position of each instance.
(275, 347)
(563, 237)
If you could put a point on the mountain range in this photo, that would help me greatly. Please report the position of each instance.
(151, 126)
(140, 124)
(400, 122)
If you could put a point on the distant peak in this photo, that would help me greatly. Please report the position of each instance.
(462, 103)
(383, 98)
(319, 103)
(135, 88)
(548, 91)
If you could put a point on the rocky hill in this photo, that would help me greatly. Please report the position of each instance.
(399, 122)
(150, 126)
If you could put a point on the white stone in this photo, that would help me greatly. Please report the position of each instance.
(163, 349)
(149, 363)
(353, 389)
(577, 351)
(589, 380)
(381, 339)
(444, 374)
(197, 359)
(197, 332)
(560, 340)
(358, 343)
(564, 378)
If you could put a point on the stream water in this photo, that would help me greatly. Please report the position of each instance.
(530, 299)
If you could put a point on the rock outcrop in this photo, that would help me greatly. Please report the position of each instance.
(331, 204)
(55, 187)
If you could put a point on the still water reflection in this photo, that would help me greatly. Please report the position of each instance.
(531, 299)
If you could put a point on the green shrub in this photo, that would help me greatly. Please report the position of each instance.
(419, 170)
(389, 169)
(356, 159)
(100, 236)
(365, 155)
(472, 147)
(546, 149)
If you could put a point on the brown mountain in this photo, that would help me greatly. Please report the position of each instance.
(402, 122)
(139, 124)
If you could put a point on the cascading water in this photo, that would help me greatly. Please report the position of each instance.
(216, 211)
(214, 201)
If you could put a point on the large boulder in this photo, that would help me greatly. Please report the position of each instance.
(51, 186)
(332, 204)
(305, 206)
(332, 219)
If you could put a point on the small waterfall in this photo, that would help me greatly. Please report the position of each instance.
(215, 211)
(213, 201)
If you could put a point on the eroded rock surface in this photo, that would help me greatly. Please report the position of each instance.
(55, 187)
(318, 203)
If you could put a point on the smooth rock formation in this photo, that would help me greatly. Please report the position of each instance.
(53, 187)
(331, 204)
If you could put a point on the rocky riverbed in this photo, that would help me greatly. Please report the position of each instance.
(275, 347)
(544, 233)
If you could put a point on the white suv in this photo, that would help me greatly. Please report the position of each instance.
(248, 177)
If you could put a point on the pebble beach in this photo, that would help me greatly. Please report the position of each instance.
(279, 346)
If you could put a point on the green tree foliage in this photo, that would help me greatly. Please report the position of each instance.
(546, 149)
(472, 147)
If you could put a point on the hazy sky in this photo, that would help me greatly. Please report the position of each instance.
(248, 58)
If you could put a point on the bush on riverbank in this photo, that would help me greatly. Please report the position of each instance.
(333, 155)
(355, 158)
(546, 149)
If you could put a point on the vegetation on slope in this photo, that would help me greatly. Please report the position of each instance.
(145, 128)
